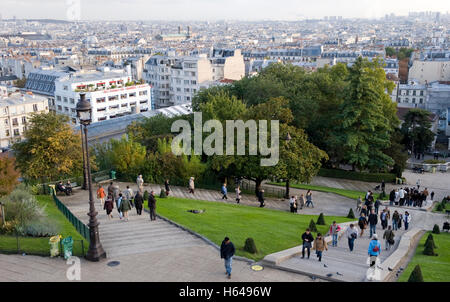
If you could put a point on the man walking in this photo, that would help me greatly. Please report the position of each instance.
(224, 191)
(351, 234)
(373, 220)
(227, 252)
(307, 238)
(392, 197)
(395, 219)
(388, 236)
(406, 220)
(384, 219)
(138, 202)
(152, 205)
(377, 205)
(334, 231)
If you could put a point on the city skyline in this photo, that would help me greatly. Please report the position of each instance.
(203, 10)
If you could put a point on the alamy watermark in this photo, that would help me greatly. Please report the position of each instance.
(258, 138)
(73, 273)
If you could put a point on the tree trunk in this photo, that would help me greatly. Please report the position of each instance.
(287, 189)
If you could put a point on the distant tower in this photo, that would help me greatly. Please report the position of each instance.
(179, 29)
(189, 31)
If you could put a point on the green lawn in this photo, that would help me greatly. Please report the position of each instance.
(343, 192)
(272, 230)
(446, 207)
(434, 268)
(40, 246)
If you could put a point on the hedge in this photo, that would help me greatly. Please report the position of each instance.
(362, 176)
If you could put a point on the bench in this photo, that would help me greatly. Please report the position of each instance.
(101, 178)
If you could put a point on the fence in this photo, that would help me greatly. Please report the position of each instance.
(249, 188)
(79, 226)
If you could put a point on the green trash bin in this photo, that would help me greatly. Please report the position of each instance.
(67, 247)
(113, 174)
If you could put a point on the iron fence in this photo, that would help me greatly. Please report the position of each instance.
(79, 226)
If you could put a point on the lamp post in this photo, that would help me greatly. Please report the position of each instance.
(287, 140)
(84, 114)
(85, 177)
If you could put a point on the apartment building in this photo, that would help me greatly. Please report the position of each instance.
(112, 94)
(431, 66)
(176, 79)
(413, 94)
(15, 111)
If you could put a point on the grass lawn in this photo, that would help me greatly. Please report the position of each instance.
(446, 207)
(272, 230)
(434, 268)
(347, 193)
(40, 246)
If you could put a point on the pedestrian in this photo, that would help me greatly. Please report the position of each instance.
(302, 201)
(374, 250)
(388, 236)
(383, 186)
(406, 220)
(69, 188)
(125, 206)
(401, 196)
(101, 194)
(166, 186)
(128, 195)
(377, 205)
(392, 197)
(395, 219)
(111, 190)
(224, 191)
(373, 220)
(307, 238)
(261, 197)
(109, 206)
(351, 234)
(227, 252)
(191, 185)
(291, 203)
(320, 245)
(140, 183)
(432, 195)
(400, 219)
(334, 231)
(384, 219)
(364, 211)
(238, 194)
(309, 199)
(362, 223)
(152, 205)
(295, 204)
(116, 192)
(358, 204)
(418, 184)
(397, 197)
(118, 203)
(138, 202)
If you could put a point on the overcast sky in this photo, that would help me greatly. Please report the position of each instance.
(213, 9)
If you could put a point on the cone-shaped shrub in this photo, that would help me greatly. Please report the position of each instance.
(436, 229)
(440, 207)
(162, 194)
(321, 219)
(430, 240)
(429, 249)
(146, 195)
(250, 246)
(351, 214)
(312, 226)
(416, 275)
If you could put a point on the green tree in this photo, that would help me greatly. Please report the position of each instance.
(127, 157)
(51, 149)
(8, 175)
(417, 130)
(416, 275)
(20, 83)
(367, 118)
(397, 152)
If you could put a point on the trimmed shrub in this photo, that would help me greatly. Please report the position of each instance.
(312, 226)
(250, 246)
(429, 250)
(351, 215)
(321, 219)
(436, 229)
(41, 229)
(440, 207)
(430, 240)
(162, 194)
(416, 275)
(362, 176)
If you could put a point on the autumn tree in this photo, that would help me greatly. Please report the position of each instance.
(51, 149)
(8, 175)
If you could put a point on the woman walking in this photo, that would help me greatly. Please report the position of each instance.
(320, 245)
(238, 194)
(125, 206)
(191, 185)
(166, 186)
(362, 223)
(109, 206)
(101, 194)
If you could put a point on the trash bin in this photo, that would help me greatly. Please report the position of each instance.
(54, 245)
(434, 169)
(113, 174)
(52, 189)
(67, 247)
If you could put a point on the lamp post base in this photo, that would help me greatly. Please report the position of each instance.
(95, 254)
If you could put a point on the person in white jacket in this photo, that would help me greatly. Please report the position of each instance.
(140, 183)
(406, 220)
(351, 233)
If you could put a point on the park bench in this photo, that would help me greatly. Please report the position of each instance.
(101, 178)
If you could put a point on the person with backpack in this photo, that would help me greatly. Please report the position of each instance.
(406, 220)
(388, 236)
(351, 233)
(373, 220)
(307, 238)
(334, 231)
(128, 195)
(118, 203)
(320, 245)
(362, 223)
(224, 191)
(374, 250)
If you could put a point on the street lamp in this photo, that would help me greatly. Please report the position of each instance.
(84, 114)
(287, 140)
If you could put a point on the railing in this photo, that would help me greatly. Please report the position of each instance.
(249, 188)
(443, 167)
(79, 226)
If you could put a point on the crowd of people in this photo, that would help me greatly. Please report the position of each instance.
(411, 197)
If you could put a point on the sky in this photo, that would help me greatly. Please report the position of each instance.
(210, 10)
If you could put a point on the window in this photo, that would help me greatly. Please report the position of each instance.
(58, 98)
(24, 120)
(7, 132)
(186, 82)
(143, 102)
(132, 103)
(72, 101)
(133, 94)
(66, 109)
(65, 87)
(101, 100)
(15, 122)
(102, 118)
(35, 107)
(16, 132)
(59, 108)
(113, 98)
(144, 92)
(123, 96)
(101, 109)
(124, 105)
(65, 99)
(114, 107)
